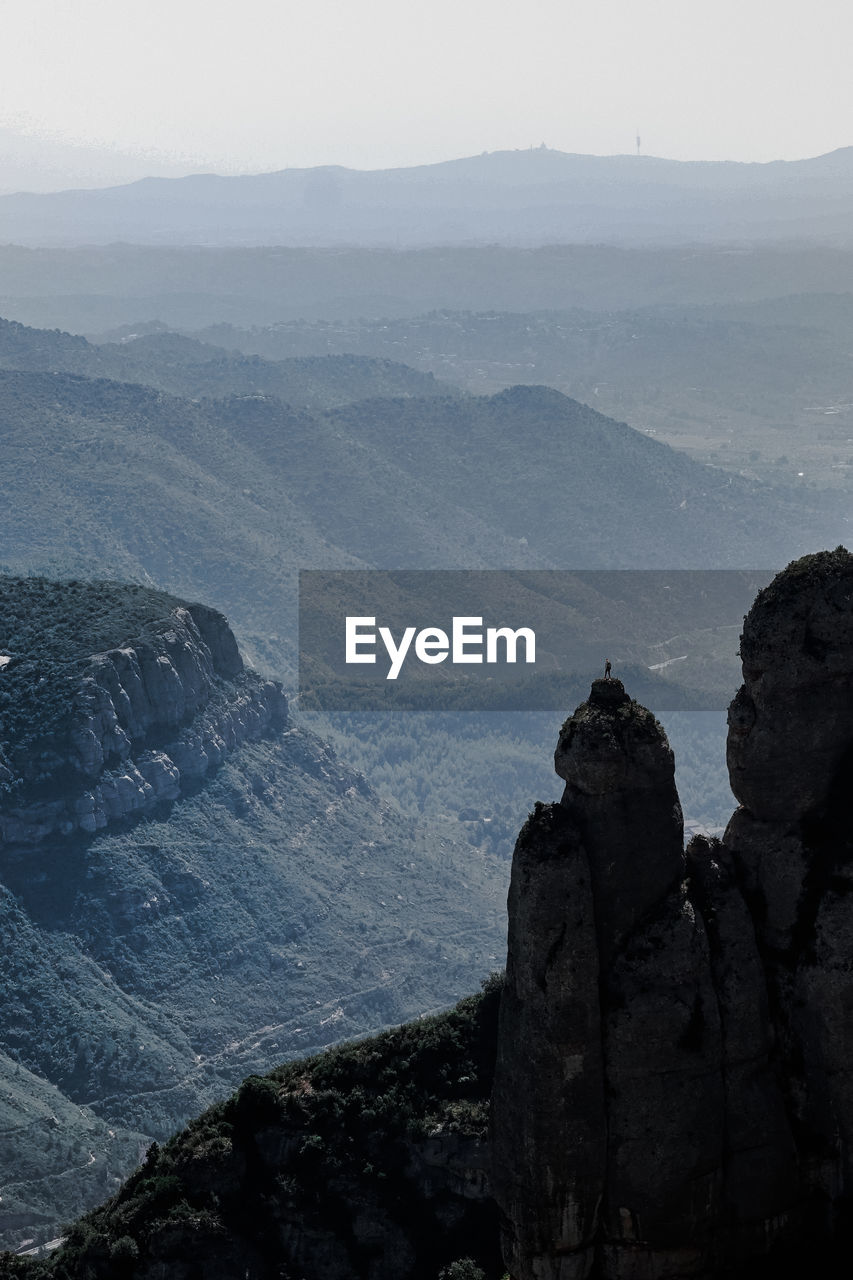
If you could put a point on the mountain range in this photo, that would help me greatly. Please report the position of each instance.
(197, 885)
(530, 197)
(524, 478)
(765, 387)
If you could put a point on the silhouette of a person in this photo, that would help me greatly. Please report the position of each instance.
(606, 668)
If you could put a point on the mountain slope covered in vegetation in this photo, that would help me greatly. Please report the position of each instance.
(170, 941)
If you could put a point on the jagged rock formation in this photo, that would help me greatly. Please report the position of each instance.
(673, 1089)
(140, 723)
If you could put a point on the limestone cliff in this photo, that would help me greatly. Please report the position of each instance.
(131, 727)
(673, 1090)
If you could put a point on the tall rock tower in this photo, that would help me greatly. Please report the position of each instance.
(609, 1084)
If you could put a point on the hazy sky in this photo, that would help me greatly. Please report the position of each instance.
(370, 83)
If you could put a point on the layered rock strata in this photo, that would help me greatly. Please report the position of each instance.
(144, 722)
(673, 1092)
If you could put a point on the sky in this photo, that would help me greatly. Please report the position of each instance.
(376, 83)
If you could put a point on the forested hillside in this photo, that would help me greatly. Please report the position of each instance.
(162, 941)
(765, 388)
(188, 367)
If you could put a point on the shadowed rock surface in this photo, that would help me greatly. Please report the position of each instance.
(673, 1092)
(628, 1172)
(790, 754)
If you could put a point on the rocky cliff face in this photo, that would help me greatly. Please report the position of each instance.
(790, 754)
(141, 723)
(673, 1090)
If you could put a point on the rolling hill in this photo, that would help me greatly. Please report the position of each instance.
(762, 387)
(187, 367)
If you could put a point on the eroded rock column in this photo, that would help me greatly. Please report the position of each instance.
(624, 1089)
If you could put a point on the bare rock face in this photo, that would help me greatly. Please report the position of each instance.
(607, 1152)
(790, 752)
(674, 1084)
(619, 773)
(549, 1084)
(144, 722)
(789, 725)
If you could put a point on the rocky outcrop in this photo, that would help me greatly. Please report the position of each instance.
(549, 1085)
(610, 1029)
(674, 1090)
(144, 721)
(790, 754)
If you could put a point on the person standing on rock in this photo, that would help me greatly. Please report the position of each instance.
(606, 668)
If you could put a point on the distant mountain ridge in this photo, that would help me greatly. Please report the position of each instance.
(185, 366)
(512, 197)
(750, 379)
(100, 289)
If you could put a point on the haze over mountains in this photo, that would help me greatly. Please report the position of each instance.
(531, 197)
(90, 290)
(224, 497)
(763, 387)
(263, 390)
(33, 163)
